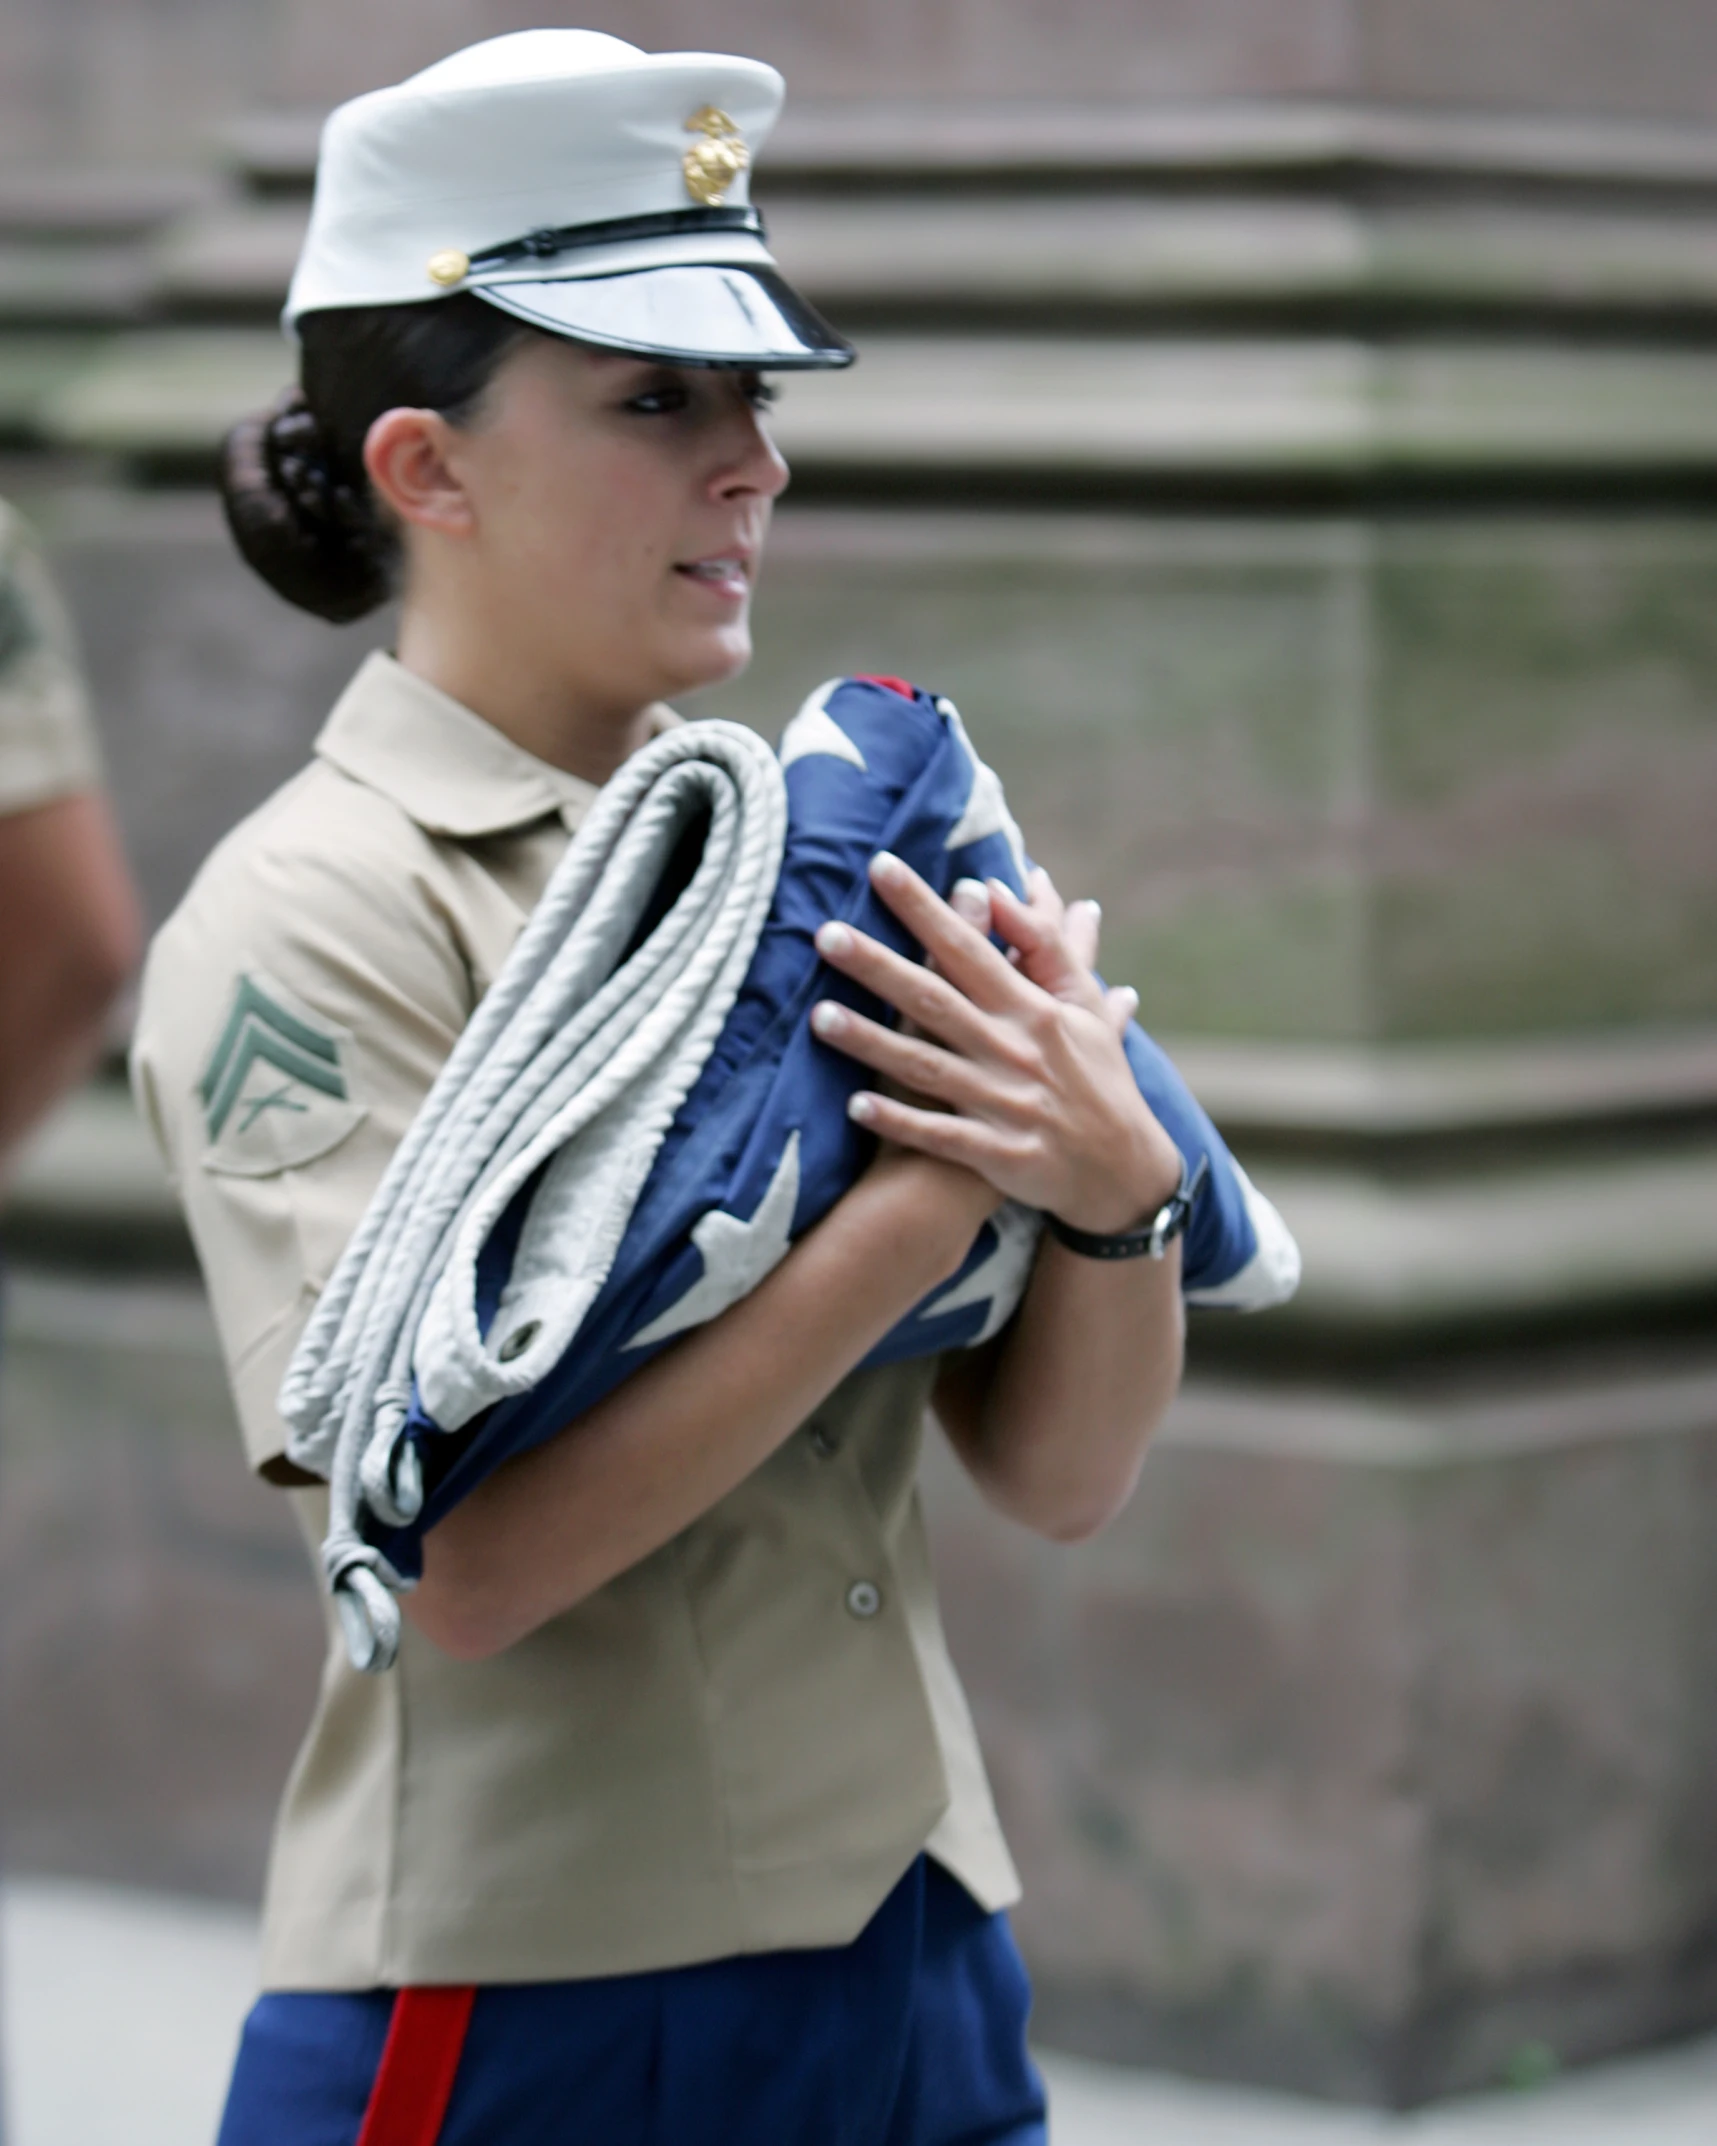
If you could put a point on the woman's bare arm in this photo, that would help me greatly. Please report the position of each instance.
(1052, 1420)
(1023, 1062)
(558, 1522)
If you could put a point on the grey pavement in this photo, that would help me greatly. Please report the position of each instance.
(122, 2010)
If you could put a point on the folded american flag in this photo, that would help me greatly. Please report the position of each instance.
(638, 1122)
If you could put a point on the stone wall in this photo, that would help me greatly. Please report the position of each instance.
(1290, 434)
(149, 81)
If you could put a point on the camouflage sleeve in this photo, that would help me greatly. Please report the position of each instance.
(47, 740)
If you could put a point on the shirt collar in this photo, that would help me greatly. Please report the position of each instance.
(451, 771)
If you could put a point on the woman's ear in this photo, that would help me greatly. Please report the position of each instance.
(409, 457)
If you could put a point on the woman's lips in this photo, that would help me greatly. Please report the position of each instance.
(727, 574)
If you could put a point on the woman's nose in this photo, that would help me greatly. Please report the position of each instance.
(756, 463)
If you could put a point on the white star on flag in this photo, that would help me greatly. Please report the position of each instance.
(814, 730)
(736, 1255)
(998, 1280)
(986, 811)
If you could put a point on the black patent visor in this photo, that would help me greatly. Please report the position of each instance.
(700, 314)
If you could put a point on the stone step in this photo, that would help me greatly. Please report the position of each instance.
(1036, 410)
(913, 254)
(887, 141)
(1388, 1254)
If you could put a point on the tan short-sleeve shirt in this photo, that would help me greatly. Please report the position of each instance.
(47, 741)
(736, 1746)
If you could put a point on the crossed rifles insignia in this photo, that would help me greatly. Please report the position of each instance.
(275, 1090)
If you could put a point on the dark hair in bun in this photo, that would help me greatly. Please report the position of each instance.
(297, 499)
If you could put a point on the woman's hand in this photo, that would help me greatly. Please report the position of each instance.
(1019, 1055)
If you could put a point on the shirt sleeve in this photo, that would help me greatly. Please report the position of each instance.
(47, 740)
(294, 1013)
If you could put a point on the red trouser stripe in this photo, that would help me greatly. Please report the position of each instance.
(420, 2061)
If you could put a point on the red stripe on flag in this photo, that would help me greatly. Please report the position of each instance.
(894, 685)
(420, 2061)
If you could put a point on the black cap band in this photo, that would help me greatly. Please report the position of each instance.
(545, 245)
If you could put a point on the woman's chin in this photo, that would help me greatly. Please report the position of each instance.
(710, 659)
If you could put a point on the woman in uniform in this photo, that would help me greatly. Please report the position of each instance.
(670, 1824)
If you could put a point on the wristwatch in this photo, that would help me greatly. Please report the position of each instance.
(1151, 1239)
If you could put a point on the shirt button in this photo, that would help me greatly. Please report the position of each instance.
(864, 1598)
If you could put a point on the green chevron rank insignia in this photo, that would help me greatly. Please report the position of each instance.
(276, 1090)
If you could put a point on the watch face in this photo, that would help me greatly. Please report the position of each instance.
(1176, 1211)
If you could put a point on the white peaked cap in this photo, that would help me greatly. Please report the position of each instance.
(592, 189)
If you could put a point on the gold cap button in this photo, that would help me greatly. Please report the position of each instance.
(448, 267)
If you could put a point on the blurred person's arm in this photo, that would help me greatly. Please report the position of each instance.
(70, 934)
(70, 929)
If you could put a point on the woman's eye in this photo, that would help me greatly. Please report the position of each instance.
(674, 397)
(659, 401)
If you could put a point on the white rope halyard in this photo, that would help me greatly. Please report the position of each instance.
(574, 1064)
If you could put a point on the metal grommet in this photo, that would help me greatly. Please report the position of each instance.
(519, 1340)
(864, 1598)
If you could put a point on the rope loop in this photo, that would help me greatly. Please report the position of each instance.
(391, 1471)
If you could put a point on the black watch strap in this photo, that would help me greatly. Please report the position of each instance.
(1151, 1239)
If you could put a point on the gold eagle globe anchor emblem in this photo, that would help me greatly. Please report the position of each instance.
(716, 159)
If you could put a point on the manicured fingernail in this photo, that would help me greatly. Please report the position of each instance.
(886, 866)
(968, 898)
(1096, 909)
(1129, 999)
(862, 1107)
(834, 939)
(827, 1018)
